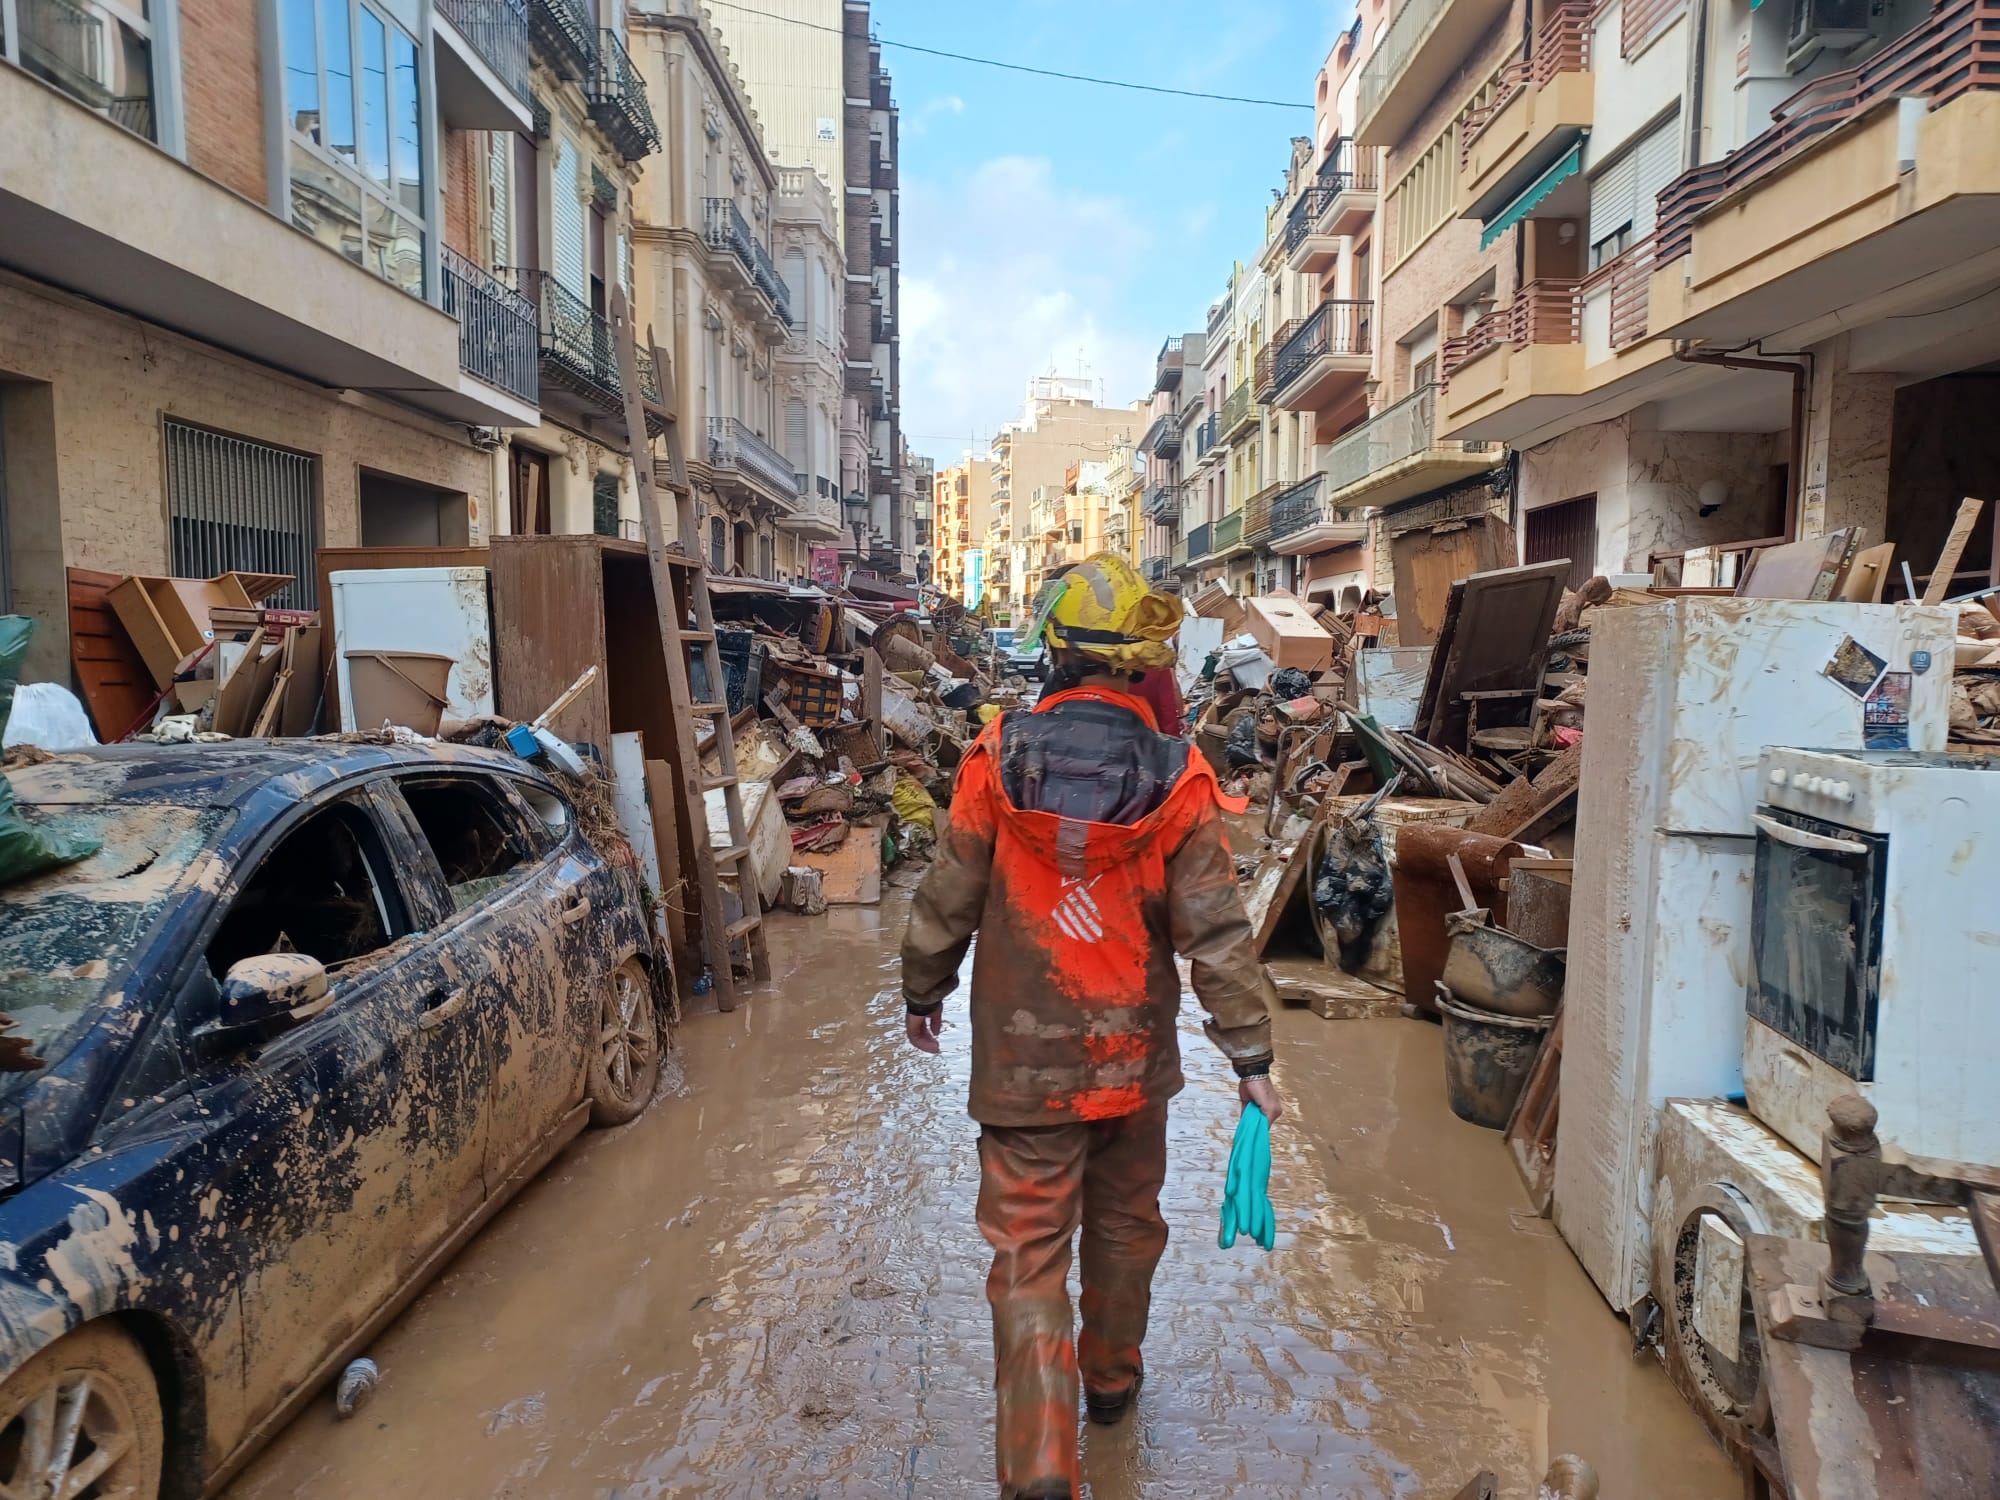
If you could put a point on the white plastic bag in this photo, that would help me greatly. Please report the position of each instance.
(48, 716)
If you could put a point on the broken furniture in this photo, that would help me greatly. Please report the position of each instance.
(1485, 679)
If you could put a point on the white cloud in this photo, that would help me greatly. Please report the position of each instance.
(1006, 275)
(918, 121)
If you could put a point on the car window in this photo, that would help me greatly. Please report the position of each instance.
(474, 830)
(324, 890)
(68, 934)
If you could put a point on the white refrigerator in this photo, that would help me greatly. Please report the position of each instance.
(442, 610)
(1684, 696)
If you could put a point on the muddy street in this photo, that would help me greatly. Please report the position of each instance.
(771, 1285)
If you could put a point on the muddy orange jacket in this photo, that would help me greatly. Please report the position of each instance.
(1075, 992)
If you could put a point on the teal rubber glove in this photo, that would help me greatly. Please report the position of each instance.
(1246, 1195)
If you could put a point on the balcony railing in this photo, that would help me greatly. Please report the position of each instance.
(1631, 291)
(1219, 315)
(1228, 532)
(1401, 431)
(1163, 438)
(1549, 311)
(1335, 327)
(1406, 33)
(733, 446)
(1295, 509)
(1348, 168)
(1950, 53)
(1206, 435)
(1561, 46)
(577, 350)
(561, 33)
(725, 228)
(1163, 503)
(498, 31)
(1196, 543)
(64, 42)
(1236, 412)
(497, 336)
(1156, 569)
(618, 103)
(1264, 378)
(1257, 512)
(1167, 370)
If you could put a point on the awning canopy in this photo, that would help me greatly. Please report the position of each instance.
(1566, 167)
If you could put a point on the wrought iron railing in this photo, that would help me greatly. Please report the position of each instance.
(1335, 327)
(1163, 503)
(1401, 431)
(1348, 168)
(498, 31)
(1163, 438)
(618, 103)
(725, 228)
(1257, 511)
(1172, 360)
(1955, 50)
(1295, 508)
(578, 353)
(731, 445)
(497, 334)
(561, 33)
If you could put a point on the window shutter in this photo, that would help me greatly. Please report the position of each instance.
(1611, 197)
(500, 198)
(569, 225)
(625, 262)
(798, 436)
(1656, 162)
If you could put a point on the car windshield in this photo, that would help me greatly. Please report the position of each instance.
(1003, 638)
(64, 934)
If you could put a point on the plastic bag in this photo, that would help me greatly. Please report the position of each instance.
(1290, 682)
(1242, 749)
(24, 849)
(47, 715)
(913, 804)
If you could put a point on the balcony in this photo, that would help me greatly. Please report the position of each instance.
(743, 264)
(1397, 454)
(1227, 537)
(734, 450)
(1207, 436)
(1868, 182)
(213, 265)
(1257, 512)
(1163, 438)
(1348, 183)
(561, 34)
(1163, 503)
(579, 362)
(1237, 413)
(1168, 368)
(1155, 569)
(1194, 547)
(618, 105)
(1543, 107)
(1426, 42)
(1325, 359)
(814, 516)
(498, 339)
(482, 64)
(1302, 523)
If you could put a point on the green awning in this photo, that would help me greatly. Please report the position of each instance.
(1524, 205)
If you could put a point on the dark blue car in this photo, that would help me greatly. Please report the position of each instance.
(302, 1025)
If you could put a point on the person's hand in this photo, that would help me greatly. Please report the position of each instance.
(1259, 1091)
(923, 1031)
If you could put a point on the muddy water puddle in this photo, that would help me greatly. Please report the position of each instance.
(771, 1285)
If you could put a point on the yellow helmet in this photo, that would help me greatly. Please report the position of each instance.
(1104, 609)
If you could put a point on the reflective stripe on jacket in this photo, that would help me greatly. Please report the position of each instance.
(1074, 987)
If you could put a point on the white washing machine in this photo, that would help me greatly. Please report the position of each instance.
(1723, 1176)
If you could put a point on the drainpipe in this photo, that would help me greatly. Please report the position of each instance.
(1799, 371)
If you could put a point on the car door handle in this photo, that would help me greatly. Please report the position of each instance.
(441, 1005)
(576, 911)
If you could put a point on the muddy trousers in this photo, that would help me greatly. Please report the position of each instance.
(1037, 1185)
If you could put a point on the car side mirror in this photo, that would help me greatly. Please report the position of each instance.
(261, 998)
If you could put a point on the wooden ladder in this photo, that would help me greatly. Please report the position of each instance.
(680, 584)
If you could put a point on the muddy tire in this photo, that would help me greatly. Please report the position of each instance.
(625, 1062)
(83, 1417)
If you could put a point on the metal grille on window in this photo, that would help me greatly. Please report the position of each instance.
(238, 506)
(604, 505)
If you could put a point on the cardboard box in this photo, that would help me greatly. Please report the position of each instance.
(1286, 630)
(1214, 602)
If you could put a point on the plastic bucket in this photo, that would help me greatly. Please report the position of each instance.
(1487, 1059)
(398, 687)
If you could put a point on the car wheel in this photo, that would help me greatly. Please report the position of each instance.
(626, 1061)
(83, 1418)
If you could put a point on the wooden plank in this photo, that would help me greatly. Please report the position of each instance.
(1867, 574)
(1939, 586)
(661, 800)
(871, 697)
(1809, 569)
(1531, 1129)
(117, 688)
(548, 625)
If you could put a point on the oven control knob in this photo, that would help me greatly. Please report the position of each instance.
(1807, 784)
(1842, 792)
(1778, 776)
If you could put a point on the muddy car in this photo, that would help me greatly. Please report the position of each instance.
(306, 1020)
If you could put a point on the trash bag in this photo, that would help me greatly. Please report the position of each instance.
(1351, 888)
(913, 804)
(1242, 749)
(1289, 682)
(24, 849)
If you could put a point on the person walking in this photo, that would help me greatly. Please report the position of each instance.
(1085, 849)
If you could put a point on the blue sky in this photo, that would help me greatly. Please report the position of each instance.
(1056, 226)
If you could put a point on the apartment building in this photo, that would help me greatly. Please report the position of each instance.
(250, 302)
(810, 364)
(1124, 483)
(1166, 455)
(962, 511)
(1205, 496)
(1760, 307)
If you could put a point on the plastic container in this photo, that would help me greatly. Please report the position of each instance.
(1491, 969)
(1487, 1059)
(399, 687)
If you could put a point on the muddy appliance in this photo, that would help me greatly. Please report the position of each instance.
(1685, 696)
(1875, 941)
(435, 611)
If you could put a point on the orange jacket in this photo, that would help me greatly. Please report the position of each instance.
(1075, 992)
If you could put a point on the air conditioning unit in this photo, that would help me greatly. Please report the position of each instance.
(1829, 26)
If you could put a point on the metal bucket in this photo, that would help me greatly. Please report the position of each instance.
(1487, 1059)
(1490, 968)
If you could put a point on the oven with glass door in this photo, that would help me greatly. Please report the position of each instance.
(1875, 947)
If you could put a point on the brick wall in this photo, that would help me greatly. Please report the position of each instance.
(223, 93)
(458, 158)
(114, 378)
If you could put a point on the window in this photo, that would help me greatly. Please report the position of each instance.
(324, 891)
(354, 125)
(473, 831)
(99, 52)
(718, 545)
(234, 505)
(528, 493)
(1624, 196)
